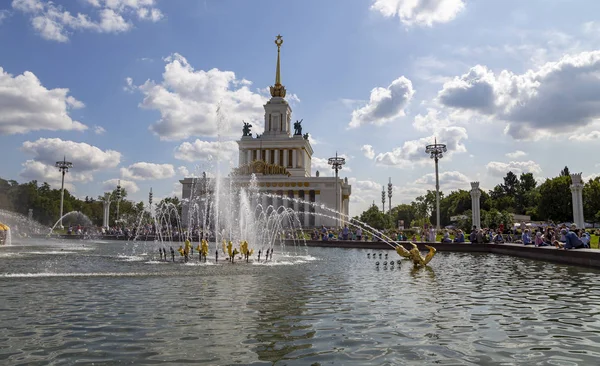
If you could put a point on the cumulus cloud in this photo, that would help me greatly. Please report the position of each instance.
(449, 181)
(499, 169)
(54, 22)
(590, 136)
(385, 104)
(368, 151)
(183, 171)
(432, 121)
(145, 171)
(558, 97)
(200, 103)
(3, 15)
(36, 170)
(413, 152)
(206, 150)
(111, 184)
(322, 165)
(27, 105)
(99, 130)
(516, 154)
(420, 12)
(85, 157)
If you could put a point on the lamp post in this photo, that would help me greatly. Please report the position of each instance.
(436, 152)
(390, 188)
(150, 201)
(336, 164)
(383, 199)
(63, 166)
(118, 201)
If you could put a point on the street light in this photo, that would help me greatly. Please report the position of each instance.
(390, 188)
(150, 201)
(436, 152)
(336, 164)
(63, 166)
(118, 201)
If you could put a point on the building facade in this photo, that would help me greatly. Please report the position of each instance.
(280, 159)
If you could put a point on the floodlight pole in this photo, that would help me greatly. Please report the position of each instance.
(436, 152)
(383, 199)
(118, 201)
(336, 164)
(390, 188)
(63, 166)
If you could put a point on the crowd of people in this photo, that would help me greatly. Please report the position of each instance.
(562, 236)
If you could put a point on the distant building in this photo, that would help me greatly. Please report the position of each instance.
(281, 161)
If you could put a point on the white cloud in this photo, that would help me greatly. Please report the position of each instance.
(55, 23)
(111, 184)
(432, 121)
(145, 171)
(183, 171)
(516, 154)
(385, 104)
(556, 98)
(413, 152)
(368, 151)
(3, 15)
(85, 157)
(99, 130)
(36, 170)
(590, 136)
(420, 12)
(206, 150)
(26, 105)
(449, 181)
(322, 165)
(499, 169)
(201, 103)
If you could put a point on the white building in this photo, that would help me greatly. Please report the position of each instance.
(281, 161)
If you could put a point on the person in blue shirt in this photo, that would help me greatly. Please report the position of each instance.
(526, 237)
(460, 237)
(572, 241)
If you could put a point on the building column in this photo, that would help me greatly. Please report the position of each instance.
(317, 209)
(475, 205)
(263, 200)
(277, 157)
(249, 156)
(577, 195)
(106, 204)
(268, 156)
(294, 158)
(296, 204)
(285, 158)
(306, 208)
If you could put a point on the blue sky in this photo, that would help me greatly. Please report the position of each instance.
(128, 89)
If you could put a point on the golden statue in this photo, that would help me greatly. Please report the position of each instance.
(204, 248)
(244, 248)
(415, 255)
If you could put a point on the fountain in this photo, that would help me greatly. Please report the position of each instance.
(20, 225)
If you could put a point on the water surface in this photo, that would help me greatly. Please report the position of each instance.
(74, 302)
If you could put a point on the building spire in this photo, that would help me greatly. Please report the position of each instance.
(278, 90)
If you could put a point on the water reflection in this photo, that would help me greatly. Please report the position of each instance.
(65, 303)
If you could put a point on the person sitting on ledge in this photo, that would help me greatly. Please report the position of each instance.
(571, 241)
(498, 237)
(460, 237)
(526, 237)
(446, 238)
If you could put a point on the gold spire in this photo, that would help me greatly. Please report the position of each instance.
(278, 90)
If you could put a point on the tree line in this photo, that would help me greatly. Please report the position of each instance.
(550, 201)
(45, 203)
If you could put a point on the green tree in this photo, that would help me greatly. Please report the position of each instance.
(555, 199)
(591, 199)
